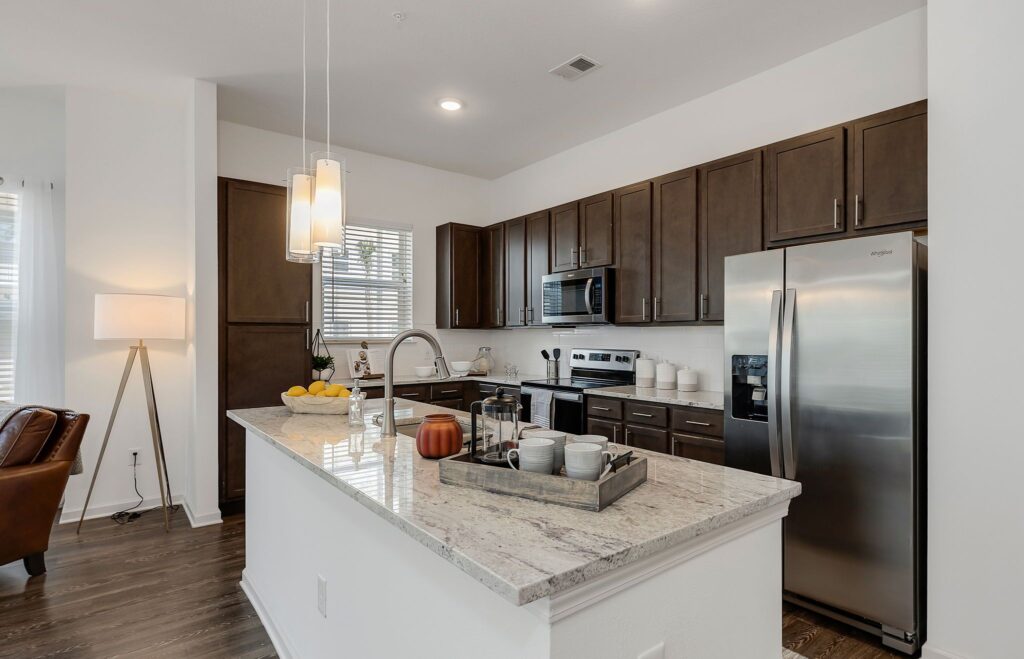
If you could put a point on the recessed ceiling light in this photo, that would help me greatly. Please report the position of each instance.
(450, 104)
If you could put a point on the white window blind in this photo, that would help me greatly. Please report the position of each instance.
(367, 287)
(8, 291)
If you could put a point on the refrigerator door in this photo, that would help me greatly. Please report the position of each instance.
(847, 381)
(753, 297)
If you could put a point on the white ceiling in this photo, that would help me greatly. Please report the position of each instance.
(386, 76)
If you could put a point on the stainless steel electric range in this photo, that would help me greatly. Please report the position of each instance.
(557, 403)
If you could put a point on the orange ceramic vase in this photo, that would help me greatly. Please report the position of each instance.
(439, 436)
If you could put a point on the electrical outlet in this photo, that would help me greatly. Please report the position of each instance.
(656, 652)
(134, 457)
(321, 595)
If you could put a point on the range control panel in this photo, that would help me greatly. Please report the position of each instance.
(602, 359)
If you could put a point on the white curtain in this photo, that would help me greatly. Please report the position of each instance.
(39, 340)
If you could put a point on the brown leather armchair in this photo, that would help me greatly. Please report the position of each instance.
(37, 448)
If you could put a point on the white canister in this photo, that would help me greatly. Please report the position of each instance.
(666, 376)
(687, 379)
(645, 372)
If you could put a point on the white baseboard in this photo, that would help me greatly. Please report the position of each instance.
(204, 519)
(931, 652)
(71, 515)
(280, 643)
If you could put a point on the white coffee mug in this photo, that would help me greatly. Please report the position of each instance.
(600, 440)
(558, 438)
(536, 454)
(586, 461)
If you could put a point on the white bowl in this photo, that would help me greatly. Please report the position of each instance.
(315, 404)
(423, 371)
(461, 368)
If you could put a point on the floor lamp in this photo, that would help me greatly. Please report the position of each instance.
(137, 318)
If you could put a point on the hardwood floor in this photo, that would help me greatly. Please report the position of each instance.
(133, 590)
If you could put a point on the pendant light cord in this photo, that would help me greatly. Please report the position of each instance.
(328, 75)
(303, 161)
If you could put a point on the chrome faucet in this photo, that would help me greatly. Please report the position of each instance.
(388, 427)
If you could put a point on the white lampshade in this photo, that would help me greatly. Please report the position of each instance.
(137, 317)
(299, 233)
(328, 201)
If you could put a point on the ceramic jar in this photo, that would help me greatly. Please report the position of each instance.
(439, 436)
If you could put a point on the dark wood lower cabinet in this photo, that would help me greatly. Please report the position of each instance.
(651, 439)
(697, 447)
(612, 430)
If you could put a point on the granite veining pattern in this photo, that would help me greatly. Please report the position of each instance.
(523, 550)
(712, 400)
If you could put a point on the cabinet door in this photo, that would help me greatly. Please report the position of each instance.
(493, 299)
(674, 247)
(696, 447)
(261, 286)
(515, 272)
(730, 223)
(465, 276)
(537, 227)
(565, 237)
(451, 403)
(596, 231)
(806, 186)
(890, 168)
(608, 429)
(651, 439)
(632, 206)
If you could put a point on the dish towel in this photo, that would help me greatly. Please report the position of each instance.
(540, 405)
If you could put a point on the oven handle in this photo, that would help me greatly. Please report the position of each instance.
(565, 395)
(588, 292)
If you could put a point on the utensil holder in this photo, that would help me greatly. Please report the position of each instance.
(552, 370)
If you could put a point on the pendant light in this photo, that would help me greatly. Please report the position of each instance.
(328, 210)
(299, 246)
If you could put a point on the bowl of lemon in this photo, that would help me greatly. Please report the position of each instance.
(318, 398)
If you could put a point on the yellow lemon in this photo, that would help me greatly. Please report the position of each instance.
(317, 387)
(296, 391)
(321, 394)
(345, 394)
(333, 390)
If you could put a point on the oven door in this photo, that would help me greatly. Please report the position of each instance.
(566, 412)
(579, 297)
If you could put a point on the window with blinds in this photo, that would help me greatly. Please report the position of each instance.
(367, 287)
(8, 291)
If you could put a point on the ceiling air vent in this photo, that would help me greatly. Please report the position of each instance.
(575, 67)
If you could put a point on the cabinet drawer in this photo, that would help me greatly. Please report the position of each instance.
(444, 390)
(651, 415)
(697, 420)
(373, 392)
(417, 392)
(605, 408)
(695, 447)
(609, 429)
(651, 439)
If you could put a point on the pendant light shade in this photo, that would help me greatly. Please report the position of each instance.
(328, 211)
(299, 232)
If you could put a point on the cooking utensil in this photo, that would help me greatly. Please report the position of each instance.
(557, 352)
(545, 355)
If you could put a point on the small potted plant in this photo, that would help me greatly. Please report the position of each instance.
(322, 359)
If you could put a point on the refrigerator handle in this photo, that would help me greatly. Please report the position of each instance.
(774, 392)
(786, 386)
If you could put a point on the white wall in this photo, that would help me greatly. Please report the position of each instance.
(874, 70)
(127, 164)
(976, 524)
(380, 189)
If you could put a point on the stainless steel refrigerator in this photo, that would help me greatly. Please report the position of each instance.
(825, 384)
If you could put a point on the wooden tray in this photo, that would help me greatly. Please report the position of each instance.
(562, 490)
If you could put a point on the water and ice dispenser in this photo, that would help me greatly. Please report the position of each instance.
(750, 387)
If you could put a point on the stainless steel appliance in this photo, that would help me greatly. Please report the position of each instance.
(589, 368)
(825, 384)
(580, 297)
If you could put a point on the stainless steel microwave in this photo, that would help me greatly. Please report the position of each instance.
(580, 297)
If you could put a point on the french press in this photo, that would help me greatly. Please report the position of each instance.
(492, 436)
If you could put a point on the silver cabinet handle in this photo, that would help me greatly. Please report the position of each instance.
(655, 307)
(409, 395)
(572, 257)
(615, 434)
(643, 311)
(449, 391)
(529, 314)
(522, 316)
(856, 210)
(835, 212)
(786, 386)
(646, 416)
(307, 338)
(698, 423)
(456, 316)
(602, 409)
(700, 306)
(583, 255)
(307, 311)
(672, 447)
(774, 321)
(627, 437)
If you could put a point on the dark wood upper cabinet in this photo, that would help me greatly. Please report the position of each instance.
(565, 237)
(632, 212)
(515, 272)
(890, 168)
(674, 247)
(263, 286)
(596, 231)
(730, 223)
(807, 185)
(458, 276)
(537, 265)
(493, 276)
